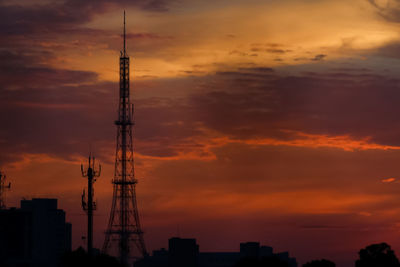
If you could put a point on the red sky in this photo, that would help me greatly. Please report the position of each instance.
(269, 121)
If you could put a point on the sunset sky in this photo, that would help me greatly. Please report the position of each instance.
(256, 120)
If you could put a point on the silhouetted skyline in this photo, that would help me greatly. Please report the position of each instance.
(273, 121)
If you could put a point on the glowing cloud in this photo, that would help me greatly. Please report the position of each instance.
(388, 180)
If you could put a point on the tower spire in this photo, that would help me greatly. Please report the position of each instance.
(124, 35)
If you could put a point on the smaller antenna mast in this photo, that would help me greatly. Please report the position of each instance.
(3, 188)
(89, 205)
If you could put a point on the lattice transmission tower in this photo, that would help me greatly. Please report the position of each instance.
(124, 231)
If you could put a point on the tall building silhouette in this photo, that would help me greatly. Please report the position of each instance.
(183, 252)
(35, 235)
(124, 231)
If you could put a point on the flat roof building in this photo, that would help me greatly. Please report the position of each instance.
(35, 235)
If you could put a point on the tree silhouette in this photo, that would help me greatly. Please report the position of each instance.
(319, 263)
(377, 255)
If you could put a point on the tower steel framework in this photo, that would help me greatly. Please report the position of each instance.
(124, 224)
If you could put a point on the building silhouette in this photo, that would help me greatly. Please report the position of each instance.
(185, 252)
(35, 235)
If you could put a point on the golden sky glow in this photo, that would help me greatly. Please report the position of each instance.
(203, 38)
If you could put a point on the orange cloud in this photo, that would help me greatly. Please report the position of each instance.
(388, 180)
(201, 147)
(217, 204)
(343, 142)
